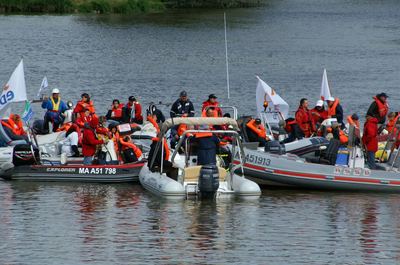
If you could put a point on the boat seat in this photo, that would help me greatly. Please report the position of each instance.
(328, 156)
(192, 173)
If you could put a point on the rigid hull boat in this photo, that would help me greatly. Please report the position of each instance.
(190, 176)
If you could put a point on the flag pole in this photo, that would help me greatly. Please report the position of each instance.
(226, 57)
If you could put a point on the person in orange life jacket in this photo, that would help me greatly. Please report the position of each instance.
(370, 141)
(256, 132)
(335, 110)
(338, 134)
(102, 128)
(182, 107)
(207, 145)
(116, 111)
(14, 128)
(131, 153)
(304, 118)
(83, 118)
(293, 130)
(379, 108)
(84, 104)
(55, 107)
(90, 141)
(319, 114)
(212, 101)
(153, 110)
(353, 120)
(392, 120)
(133, 111)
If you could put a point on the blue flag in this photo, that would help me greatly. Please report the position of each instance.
(28, 112)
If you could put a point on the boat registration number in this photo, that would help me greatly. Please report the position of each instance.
(259, 160)
(97, 170)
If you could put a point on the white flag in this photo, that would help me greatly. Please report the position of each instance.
(44, 85)
(325, 91)
(15, 89)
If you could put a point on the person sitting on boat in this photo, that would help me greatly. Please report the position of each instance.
(68, 117)
(14, 128)
(102, 128)
(339, 134)
(84, 118)
(132, 111)
(379, 108)
(207, 145)
(90, 141)
(353, 120)
(84, 104)
(256, 132)
(70, 143)
(130, 152)
(153, 111)
(392, 120)
(182, 107)
(319, 114)
(211, 102)
(116, 112)
(55, 108)
(335, 110)
(370, 140)
(293, 130)
(304, 118)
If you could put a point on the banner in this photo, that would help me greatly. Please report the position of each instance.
(44, 85)
(270, 105)
(325, 91)
(28, 112)
(15, 89)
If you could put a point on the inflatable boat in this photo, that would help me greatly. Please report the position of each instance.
(191, 179)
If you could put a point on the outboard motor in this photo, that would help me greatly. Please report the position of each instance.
(208, 181)
(22, 155)
(274, 147)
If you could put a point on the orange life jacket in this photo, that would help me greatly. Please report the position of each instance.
(152, 121)
(353, 122)
(181, 129)
(65, 127)
(343, 137)
(383, 108)
(259, 130)
(16, 128)
(332, 109)
(203, 134)
(392, 123)
(166, 148)
(126, 145)
(204, 113)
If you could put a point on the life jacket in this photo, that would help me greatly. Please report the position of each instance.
(353, 122)
(391, 124)
(383, 108)
(318, 116)
(166, 147)
(82, 105)
(137, 110)
(56, 106)
(343, 137)
(259, 130)
(202, 134)
(217, 110)
(64, 127)
(152, 121)
(117, 112)
(16, 128)
(127, 145)
(332, 109)
(288, 126)
(204, 113)
(181, 129)
(305, 121)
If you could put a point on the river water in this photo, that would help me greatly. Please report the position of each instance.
(287, 43)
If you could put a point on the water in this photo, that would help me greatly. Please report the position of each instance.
(287, 43)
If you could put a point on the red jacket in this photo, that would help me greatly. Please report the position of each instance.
(138, 110)
(319, 115)
(305, 121)
(81, 106)
(369, 138)
(89, 140)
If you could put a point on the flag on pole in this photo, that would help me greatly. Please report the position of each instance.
(28, 112)
(15, 89)
(44, 85)
(325, 91)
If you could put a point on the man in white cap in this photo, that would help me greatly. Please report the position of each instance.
(335, 110)
(55, 107)
(319, 114)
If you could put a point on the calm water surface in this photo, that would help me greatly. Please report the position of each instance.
(287, 43)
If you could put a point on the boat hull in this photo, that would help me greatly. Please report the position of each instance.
(74, 173)
(290, 170)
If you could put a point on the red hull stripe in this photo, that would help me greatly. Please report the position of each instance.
(94, 166)
(323, 177)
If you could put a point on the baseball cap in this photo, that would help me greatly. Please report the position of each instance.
(183, 93)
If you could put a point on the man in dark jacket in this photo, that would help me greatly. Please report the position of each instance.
(182, 107)
(207, 148)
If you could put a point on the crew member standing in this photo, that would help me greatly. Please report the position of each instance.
(370, 141)
(182, 107)
(379, 108)
(90, 141)
(55, 108)
(304, 118)
(335, 110)
(211, 102)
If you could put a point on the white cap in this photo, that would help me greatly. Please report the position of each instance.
(320, 103)
(331, 98)
(55, 91)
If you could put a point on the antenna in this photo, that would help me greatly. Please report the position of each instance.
(226, 58)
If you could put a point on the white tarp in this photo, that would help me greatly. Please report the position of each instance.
(325, 91)
(15, 89)
(277, 107)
